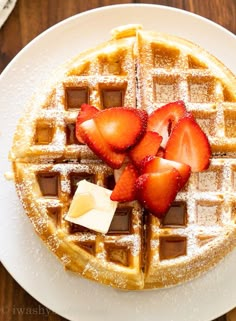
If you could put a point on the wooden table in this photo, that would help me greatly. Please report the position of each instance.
(29, 19)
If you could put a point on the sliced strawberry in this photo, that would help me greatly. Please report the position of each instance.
(93, 138)
(156, 164)
(86, 112)
(160, 152)
(157, 191)
(164, 119)
(121, 127)
(124, 190)
(148, 145)
(117, 172)
(188, 144)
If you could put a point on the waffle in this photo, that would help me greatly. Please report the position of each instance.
(146, 70)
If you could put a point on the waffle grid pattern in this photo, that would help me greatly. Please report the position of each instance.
(53, 186)
(171, 74)
(205, 210)
(105, 79)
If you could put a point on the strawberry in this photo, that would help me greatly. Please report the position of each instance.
(86, 112)
(157, 191)
(188, 144)
(124, 190)
(164, 119)
(160, 152)
(93, 138)
(148, 145)
(118, 172)
(156, 164)
(121, 127)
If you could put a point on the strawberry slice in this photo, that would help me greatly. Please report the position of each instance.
(124, 190)
(154, 164)
(93, 138)
(86, 112)
(148, 145)
(160, 152)
(118, 172)
(164, 119)
(121, 127)
(188, 144)
(157, 191)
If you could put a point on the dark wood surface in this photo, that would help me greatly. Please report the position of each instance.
(29, 19)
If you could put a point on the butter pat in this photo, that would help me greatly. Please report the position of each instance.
(91, 207)
(81, 204)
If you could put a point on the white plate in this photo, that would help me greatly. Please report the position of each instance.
(24, 255)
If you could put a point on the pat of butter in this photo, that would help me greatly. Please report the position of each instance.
(82, 203)
(92, 207)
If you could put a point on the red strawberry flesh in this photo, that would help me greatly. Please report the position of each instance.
(95, 141)
(156, 164)
(148, 145)
(188, 144)
(157, 191)
(160, 152)
(124, 190)
(121, 127)
(86, 112)
(163, 119)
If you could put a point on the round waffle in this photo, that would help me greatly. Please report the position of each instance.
(144, 70)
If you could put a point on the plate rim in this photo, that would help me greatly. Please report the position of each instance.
(70, 20)
(104, 8)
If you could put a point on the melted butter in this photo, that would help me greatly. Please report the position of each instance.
(91, 207)
(82, 203)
